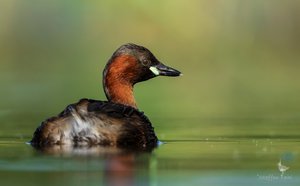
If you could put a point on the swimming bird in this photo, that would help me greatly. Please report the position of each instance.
(282, 168)
(116, 122)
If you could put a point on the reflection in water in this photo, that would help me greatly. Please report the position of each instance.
(120, 166)
(205, 162)
(119, 170)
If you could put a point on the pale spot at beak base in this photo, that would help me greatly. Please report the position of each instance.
(154, 70)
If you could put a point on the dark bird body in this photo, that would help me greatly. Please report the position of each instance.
(116, 122)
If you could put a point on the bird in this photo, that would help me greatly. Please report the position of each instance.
(282, 168)
(116, 122)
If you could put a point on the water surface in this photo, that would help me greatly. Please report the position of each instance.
(204, 160)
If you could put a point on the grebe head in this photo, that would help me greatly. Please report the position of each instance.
(129, 65)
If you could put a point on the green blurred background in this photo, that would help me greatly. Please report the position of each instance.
(240, 60)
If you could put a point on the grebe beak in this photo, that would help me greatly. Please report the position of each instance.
(163, 70)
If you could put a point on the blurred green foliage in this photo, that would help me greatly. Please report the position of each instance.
(240, 58)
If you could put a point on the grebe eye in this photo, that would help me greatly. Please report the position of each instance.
(145, 63)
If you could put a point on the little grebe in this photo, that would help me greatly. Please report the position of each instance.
(116, 122)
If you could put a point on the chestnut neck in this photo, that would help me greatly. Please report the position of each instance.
(118, 80)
